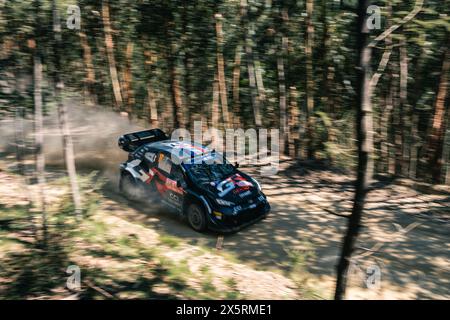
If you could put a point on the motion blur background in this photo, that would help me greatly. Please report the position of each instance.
(67, 93)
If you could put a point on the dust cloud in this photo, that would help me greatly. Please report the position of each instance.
(95, 131)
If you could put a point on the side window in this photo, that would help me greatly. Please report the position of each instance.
(149, 158)
(164, 163)
(176, 173)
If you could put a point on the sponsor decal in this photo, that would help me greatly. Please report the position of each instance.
(172, 185)
(245, 194)
(236, 183)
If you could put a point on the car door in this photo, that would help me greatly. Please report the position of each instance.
(167, 175)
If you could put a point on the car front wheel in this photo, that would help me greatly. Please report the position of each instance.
(196, 217)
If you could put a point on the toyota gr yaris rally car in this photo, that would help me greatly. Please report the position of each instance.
(194, 181)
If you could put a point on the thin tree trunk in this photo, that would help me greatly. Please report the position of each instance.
(18, 139)
(414, 149)
(446, 155)
(69, 155)
(435, 144)
(249, 57)
(384, 132)
(282, 96)
(150, 60)
(189, 109)
(293, 130)
(392, 136)
(385, 114)
(365, 147)
(127, 79)
(236, 80)
(89, 80)
(252, 82)
(309, 79)
(415, 137)
(109, 43)
(175, 91)
(259, 80)
(152, 108)
(404, 107)
(327, 69)
(221, 72)
(39, 138)
(215, 103)
(237, 65)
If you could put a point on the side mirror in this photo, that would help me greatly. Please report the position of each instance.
(178, 184)
(236, 165)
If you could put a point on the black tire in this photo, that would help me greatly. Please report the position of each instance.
(128, 187)
(196, 217)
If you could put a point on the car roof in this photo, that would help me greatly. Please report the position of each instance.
(181, 149)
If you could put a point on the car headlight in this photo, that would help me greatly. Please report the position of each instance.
(225, 203)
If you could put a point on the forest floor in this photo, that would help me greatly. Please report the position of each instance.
(137, 250)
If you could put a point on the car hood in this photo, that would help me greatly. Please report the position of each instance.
(237, 188)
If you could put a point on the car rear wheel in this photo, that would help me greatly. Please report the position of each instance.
(196, 217)
(129, 187)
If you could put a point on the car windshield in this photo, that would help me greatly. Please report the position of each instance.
(205, 172)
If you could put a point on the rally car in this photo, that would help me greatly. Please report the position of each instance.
(194, 181)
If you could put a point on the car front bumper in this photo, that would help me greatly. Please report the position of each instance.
(233, 223)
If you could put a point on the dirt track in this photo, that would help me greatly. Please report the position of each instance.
(413, 264)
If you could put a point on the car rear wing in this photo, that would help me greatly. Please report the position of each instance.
(131, 141)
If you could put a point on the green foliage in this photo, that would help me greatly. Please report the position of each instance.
(177, 40)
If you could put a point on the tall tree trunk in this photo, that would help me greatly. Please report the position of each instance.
(249, 57)
(187, 63)
(253, 90)
(293, 129)
(259, 79)
(446, 154)
(393, 134)
(436, 140)
(365, 147)
(327, 69)
(221, 72)
(20, 139)
(127, 79)
(385, 113)
(236, 80)
(309, 78)
(89, 81)
(385, 116)
(109, 43)
(152, 107)
(237, 65)
(282, 101)
(283, 51)
(215, 103)
(404, 106)
(175, 91)
(39, 118)
(150, 60)
(415, 96)
(67, 141)
(39, 140)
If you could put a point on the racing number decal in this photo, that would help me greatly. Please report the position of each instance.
(234, 182)
(227, 184)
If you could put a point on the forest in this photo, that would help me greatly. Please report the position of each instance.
(355, 87)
